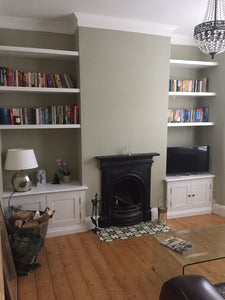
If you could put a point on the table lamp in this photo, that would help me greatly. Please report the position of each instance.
(20, 160)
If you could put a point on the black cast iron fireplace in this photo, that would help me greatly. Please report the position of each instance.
(125, 189)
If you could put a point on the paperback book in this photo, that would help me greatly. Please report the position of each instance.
(178, 245)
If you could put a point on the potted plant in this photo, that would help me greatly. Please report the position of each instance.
(64, 170)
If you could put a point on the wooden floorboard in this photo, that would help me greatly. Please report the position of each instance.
(79, 266)
(43, 278)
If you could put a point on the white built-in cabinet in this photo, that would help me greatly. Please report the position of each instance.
(189, 195)
(68, 201)
(50, 141)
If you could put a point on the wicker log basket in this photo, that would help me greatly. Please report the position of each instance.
(24, 219)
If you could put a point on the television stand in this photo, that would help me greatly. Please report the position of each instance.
(188, 195)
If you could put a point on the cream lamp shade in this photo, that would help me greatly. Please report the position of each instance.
(20, 160)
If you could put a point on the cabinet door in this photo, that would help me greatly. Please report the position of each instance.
(30, 202)
(201, 194)
(179, 195)
(67, 209)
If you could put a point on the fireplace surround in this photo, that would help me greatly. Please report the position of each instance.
(125, 189)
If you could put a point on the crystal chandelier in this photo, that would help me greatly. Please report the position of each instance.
(209, 36)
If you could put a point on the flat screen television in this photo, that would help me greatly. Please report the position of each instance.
(187, 160)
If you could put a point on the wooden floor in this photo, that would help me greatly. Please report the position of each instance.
(79, 266)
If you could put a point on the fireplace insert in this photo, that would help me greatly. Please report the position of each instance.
(125, 189)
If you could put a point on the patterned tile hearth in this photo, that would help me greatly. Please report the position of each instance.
(114, 233)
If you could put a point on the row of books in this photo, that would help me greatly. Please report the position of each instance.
(60, 114)
(188, 115)
(176, 85)
(12, 77)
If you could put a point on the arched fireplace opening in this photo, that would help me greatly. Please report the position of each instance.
(127, 201)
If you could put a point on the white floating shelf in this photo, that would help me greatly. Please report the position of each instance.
(191, 124)
(193, 94)
(47, 126)
(38, 53)
(21, 89)
(179, 63)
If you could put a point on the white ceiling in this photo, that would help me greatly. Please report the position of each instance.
(180, 16)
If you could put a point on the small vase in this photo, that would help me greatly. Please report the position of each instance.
(66, 178)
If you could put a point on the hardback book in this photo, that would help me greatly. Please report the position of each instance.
(59, 114)
(31, 115)
(57, 80)
(53, 112)
(76, 113)
(5, 76)
(72, 117)
(67, 114)
(69, 80)
(10, 77)
(63, 81)
(5, 116)
(67, 85)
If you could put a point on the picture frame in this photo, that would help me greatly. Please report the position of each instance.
(40, 177)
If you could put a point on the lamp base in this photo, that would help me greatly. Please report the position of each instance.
(21, 182)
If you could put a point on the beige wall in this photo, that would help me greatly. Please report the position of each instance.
(124, 96)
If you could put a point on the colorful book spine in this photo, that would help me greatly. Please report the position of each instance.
(13, 77)
(188, 115)
(60, 114)
(5, 116)
(177, 85)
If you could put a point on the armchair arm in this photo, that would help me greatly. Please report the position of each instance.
(189, 287)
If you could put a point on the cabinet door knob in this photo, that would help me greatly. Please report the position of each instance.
(189, 195)
(193, 195)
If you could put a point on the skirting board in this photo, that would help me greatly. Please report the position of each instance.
(87, 225)
(66, 230)
(219, 209)
(189, 212)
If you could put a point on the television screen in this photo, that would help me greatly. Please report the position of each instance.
(187, 160)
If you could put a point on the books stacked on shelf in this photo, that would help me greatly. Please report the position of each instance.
(188, 115)
(12, 77)
(177, 85)
(60, 114)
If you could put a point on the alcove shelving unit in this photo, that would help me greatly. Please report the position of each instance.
(188, 195)
(63, 142)
(191, 64)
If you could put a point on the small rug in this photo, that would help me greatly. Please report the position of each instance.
(115, 233)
